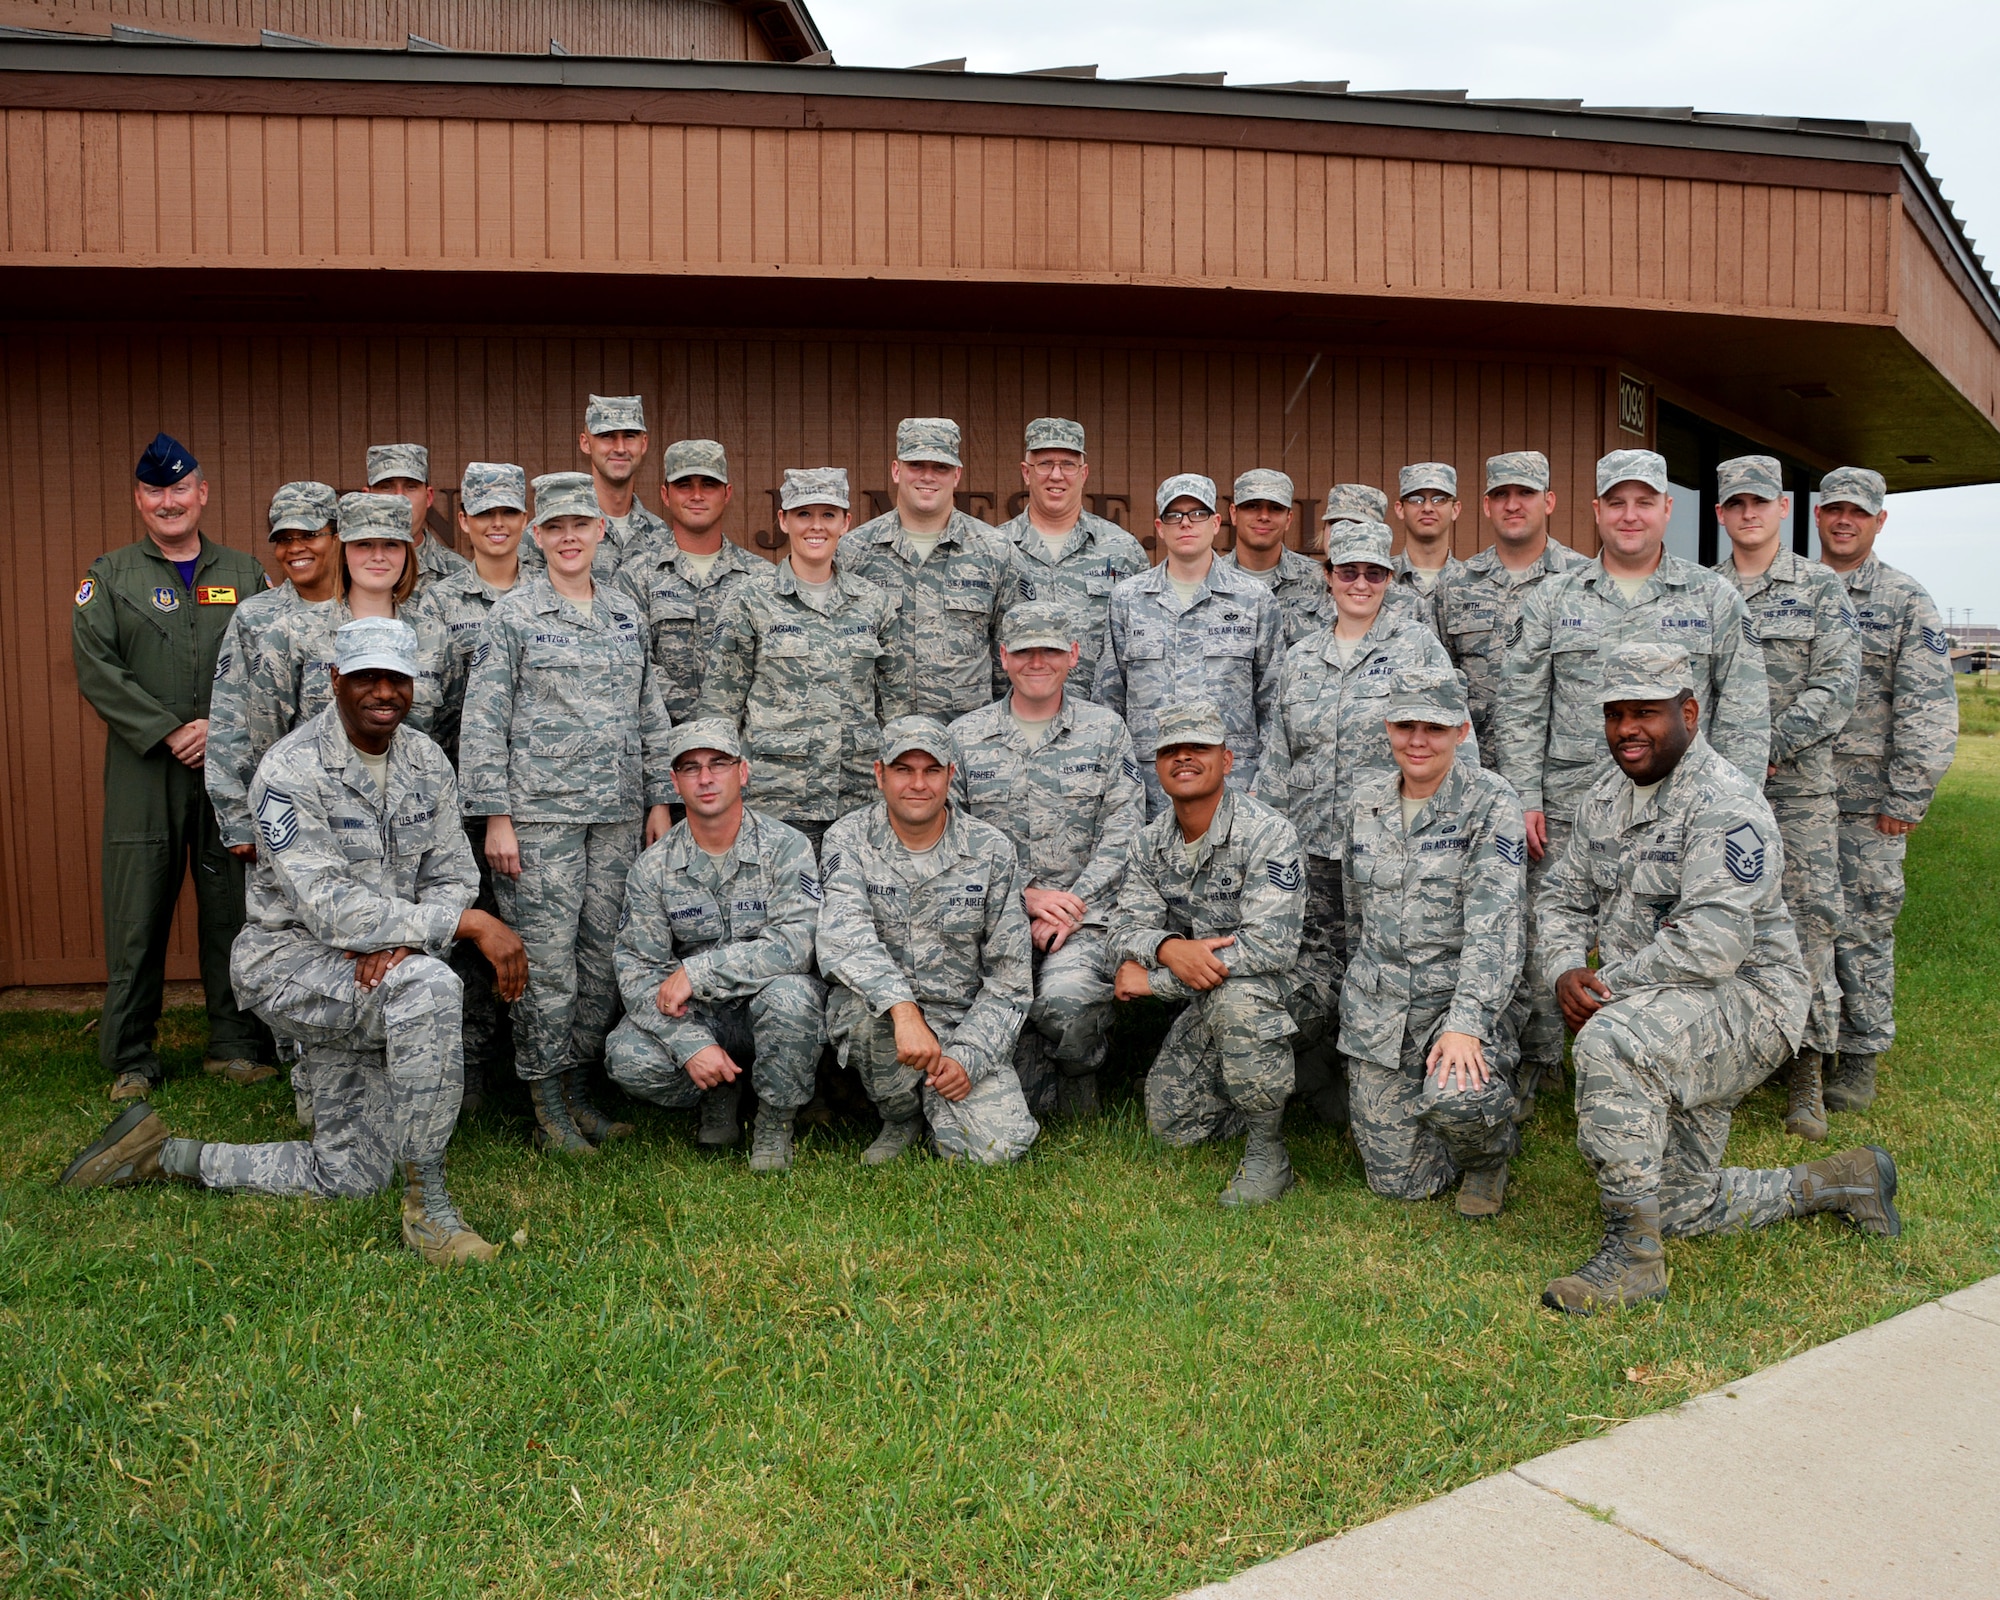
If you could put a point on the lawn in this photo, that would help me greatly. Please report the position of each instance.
(1079, 1377)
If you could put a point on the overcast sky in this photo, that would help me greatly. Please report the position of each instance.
(1933, 63)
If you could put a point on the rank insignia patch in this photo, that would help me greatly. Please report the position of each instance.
(1743, 853)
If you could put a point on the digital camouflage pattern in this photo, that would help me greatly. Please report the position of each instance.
(1355, 502)
(1071, 800)
(563, 721)
(343, 867)
(1224, 645)
(1052, 433)
(1680, 894)
(1887, 761)
(1328, 733)
(1420, 589)
(1263, 483)
(943, 639)
(1549, 730)
(1439, 476)
(1857, 486)
(435, 561)
(947, 932)
(813, 486)
(1093, 559)
(411, 461)
(1298, 583)
(1760, 476)
(487, 484)
(1478, 605)
(928, 439)
(1184, 485)
(615, 413)
(304, 507)
(1812, 661)
(742, 928)
(682, 609)
(694, 458)
(455, 607)
(802, 680)
(232, 755)
(1229, 1052)
(1527, 469)
(1632, 466)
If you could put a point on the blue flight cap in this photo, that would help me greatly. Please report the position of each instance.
(165, 462)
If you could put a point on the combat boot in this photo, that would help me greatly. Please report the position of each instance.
(131, 1085)
(237, 1070)
(1630, 1265)
(1482, 1193)
(1076, 1097)
(135, 1149)
(555, 1129)
(771, 1140)
(592, 1123)
(897, 1135)
(431, 1224)
(1850, 1082)
(1860, 1185)
(1265, 1172)
(720, 1127)
(1805, 1110)
(473, 1096)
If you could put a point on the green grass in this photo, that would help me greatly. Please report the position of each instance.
(1978, 703)
(1075, 1378)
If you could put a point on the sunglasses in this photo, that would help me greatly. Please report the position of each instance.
(1360, 572)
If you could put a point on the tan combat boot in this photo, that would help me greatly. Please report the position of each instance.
(1265, 1172)
(1630, 1265)
(719, 1128)
(897, 1135)
(238, 1070)
(595, 1125)
(1850, 1082)
(771, 1140)
(1859, 1185)
(1805, 1110)
(1481, 1194)
(555, 1129)
(135, 1149)
(431, 1224)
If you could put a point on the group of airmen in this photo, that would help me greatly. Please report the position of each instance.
(942, 796)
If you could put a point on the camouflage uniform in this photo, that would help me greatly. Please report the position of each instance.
(1423, 602)
(1812, 659)
(342, 867)
(947, 611)
(682, 610)
(1229, 1052)
(1071, 800)
(1328, 736)
(1097, 556)
(1298, 583)
(742, 927)
(945, 931)
(564, 733)
(434, 560)
(232, 756)
(628, 538)
(1438, 932)
(806, 688)
(1225, 645)
(1680, 894)
(1887, 761)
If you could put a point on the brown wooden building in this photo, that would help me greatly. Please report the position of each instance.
(283, 253)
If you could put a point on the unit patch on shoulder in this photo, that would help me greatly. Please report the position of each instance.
(276, 819)
(165, 599)
(86, 591)
(1743, 853)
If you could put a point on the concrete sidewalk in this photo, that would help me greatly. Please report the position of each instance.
(1868, 1467)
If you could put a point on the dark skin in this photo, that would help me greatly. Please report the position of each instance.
(1647, 739)
(372, 704)
(1192, 776)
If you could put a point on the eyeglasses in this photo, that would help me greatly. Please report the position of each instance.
(1056, 469)
(1360, 572)
(703, 769)
(1429, 499)
(1175, 519)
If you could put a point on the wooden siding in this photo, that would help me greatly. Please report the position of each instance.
(711, 30)
(416, 193)
(259, 409)
(1934, 314)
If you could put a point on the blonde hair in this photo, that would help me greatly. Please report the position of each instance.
(406, 581)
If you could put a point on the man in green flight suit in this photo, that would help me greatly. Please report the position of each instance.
(148, 626)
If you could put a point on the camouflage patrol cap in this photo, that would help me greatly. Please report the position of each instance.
(1525, 469)
(398, 461)
(374, 516)
(928, 439)
(1426, 694)
(1632, 466)
(564, 494)
(1359, 541)
(615, 413)
(1355, 502)
(487, 484)
(1753, 475)
(1438, 475)
(1053, 433)
(905, 734)
(309, 507)
(1854, 486)
(694, 458)
(1193, 722)
(1038, 625)
(813, 486)
(1192, 485)
(1264, 483)
(381, 644)
(1643, 669)
(704, 733)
